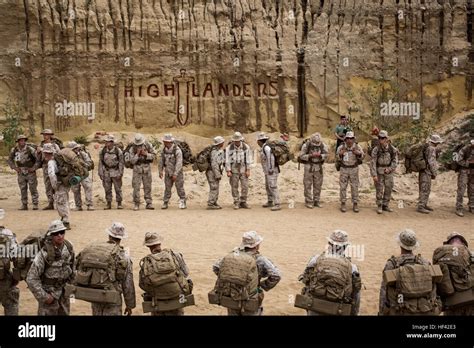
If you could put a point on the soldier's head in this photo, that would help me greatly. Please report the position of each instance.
(435, 140)
(47, 134)
(116, 232)
(153, 241)
(344, 120)
(375, 131)
(262, 139)
(456, 238)
(337, 242)
(349, 138)
(316, 138)
(237, 139)
(383, 137)
(168, 140)
(74, 146)
(110, 141)
(21, 140)
(285, 136)
(407, 241)
(56, 232)
(48, 151)
(251, 240)
(219, 142)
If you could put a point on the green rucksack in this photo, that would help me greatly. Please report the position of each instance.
(415, 159)
(186, 150)
(71, 168)
(203, 159)
(92, 165)
(281, 151)
(238, 276)
(99, 266)
(452, 163)
(331, 279)
(161, 276)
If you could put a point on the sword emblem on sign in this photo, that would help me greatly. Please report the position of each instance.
(182, 110)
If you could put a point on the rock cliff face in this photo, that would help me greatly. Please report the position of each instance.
(278, 65)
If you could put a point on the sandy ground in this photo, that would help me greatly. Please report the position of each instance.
(291, 236)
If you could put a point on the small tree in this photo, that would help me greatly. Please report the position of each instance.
(13, 128)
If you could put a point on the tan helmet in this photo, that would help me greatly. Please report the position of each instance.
(339, 238)
(139, 139)
(117, 230)
(152, 238)
(250, 239)
(55, 226)
(407, 239)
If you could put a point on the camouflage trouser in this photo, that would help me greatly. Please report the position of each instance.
(104, 309)
(47, 185)
(28, 180)
(383, 189)
(61, 196)
(58, 307)
(76, 189)
(117, 183)
(465, 181)
(312, 182)
(9, 299)
(213, 187)
(137, 180)
(176, 312)
(424, 187)
(235, 312)
(461, 310)
(169, 185)
(271, 186)
(352, 175)
(234, 180)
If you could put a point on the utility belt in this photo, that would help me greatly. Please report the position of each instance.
(322, 306)
(54, 282)
(250, 305)
(151, 304)
(346, 166)
(93, 295)
(383, 166)
(459, 298)
(143, 161)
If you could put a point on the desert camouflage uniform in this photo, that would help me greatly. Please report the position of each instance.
(50, 278)
(384, 304)
(349, 172)
(86, 183)
(126, 287)
(47, 182)
(185, 270)
(313, 170)
(267, 271)
(25, 159)
(214, 174)
(9, 292)
(172, 162)
(424, 177)
(237, 161)
(270, 170)
(465, 177)
(111, 173)
(61, 191)
(355, 274)
(381, 160)
(142, 172)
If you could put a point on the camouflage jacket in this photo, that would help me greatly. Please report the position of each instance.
(23, 158)
(431, 161)
(381, 159)
(217, 162)
(49, 277)
(111, 162)
(171, 160)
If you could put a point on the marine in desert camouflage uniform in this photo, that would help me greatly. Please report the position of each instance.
(126, 287)
(268, 274)
(237, 165)
(313, 153)
(171, 168)
(214, 172)
(51, 269)
(465, 161)
(383, 163)
(425, 176)
(23, 160)
(48, 138)
(111, 167)
(86, 183)
(9, 292)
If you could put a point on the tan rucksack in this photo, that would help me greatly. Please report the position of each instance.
(99, 266)
(331, 279)
(457, 267)
(413, 291)
(5, 262)
(238, 276)
(161, 276)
